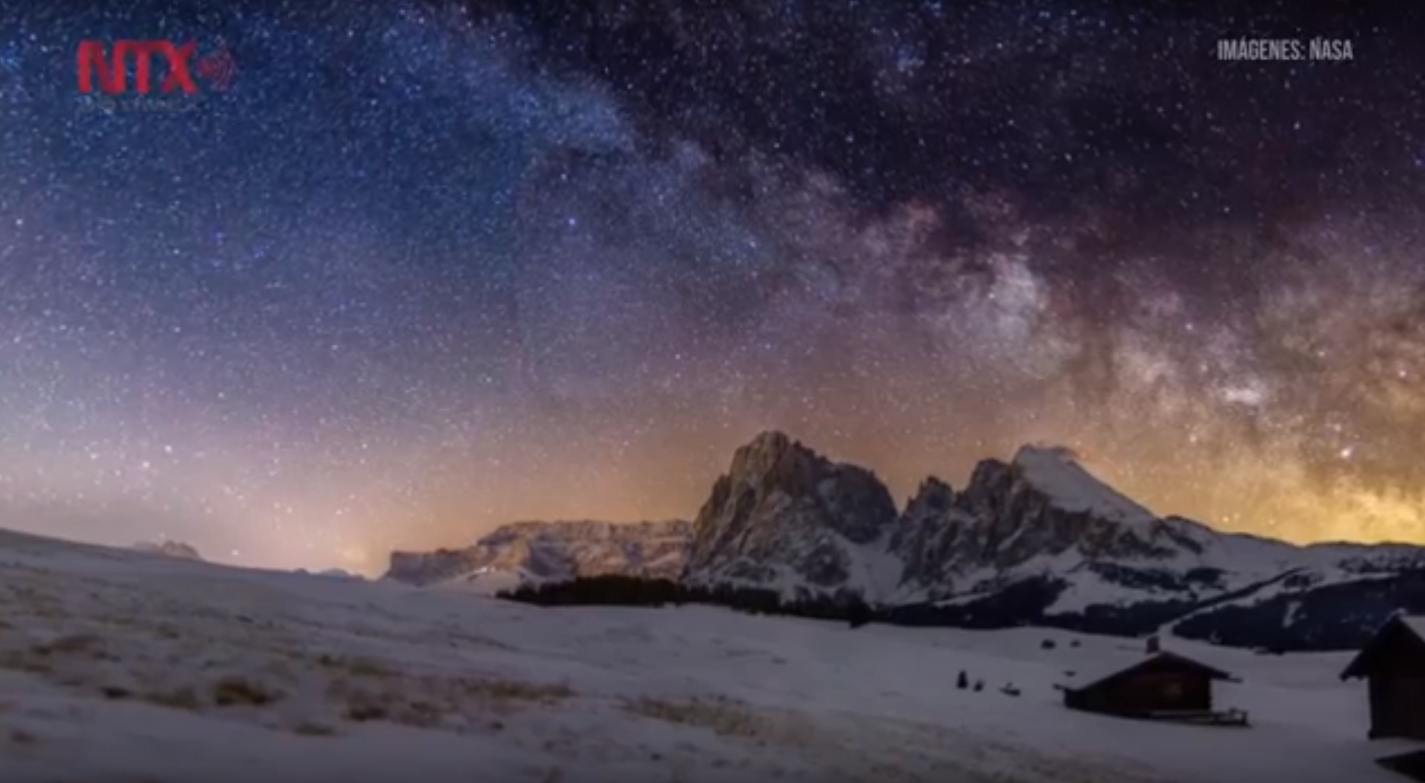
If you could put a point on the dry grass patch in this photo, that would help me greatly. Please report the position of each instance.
(226, 692)
(181, 698)
(722, 715)
(312, 729)
(234, 691)
(22, 737)
(356, 666)
(515, 690)
(49, 657)
(393, 703)
(437, 702)
(72, 644)
(25, 661)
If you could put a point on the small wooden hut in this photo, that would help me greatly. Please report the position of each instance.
(1393, 663)
(1162, 686)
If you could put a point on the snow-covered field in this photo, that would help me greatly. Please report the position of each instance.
(118, 665)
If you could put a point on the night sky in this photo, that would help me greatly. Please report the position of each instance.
(422, 269)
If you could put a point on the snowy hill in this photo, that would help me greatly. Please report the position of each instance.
(120, 666)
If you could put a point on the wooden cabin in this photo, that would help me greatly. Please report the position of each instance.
(1393, 663)
(1161, 685)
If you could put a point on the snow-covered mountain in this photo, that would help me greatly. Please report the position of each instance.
(535, 551)
(1036, 540)
(1044, 514)
(1040, 539)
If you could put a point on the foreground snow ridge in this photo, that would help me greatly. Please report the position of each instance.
(116, 665)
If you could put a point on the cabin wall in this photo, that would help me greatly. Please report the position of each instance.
(1397, 706)
(1399, 659)
(1146, 692)
(1164, 691)
(1395, 669)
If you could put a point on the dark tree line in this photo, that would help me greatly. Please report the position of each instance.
(1337, 617)
(615, 590)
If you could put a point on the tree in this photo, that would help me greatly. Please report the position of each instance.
(858, 614)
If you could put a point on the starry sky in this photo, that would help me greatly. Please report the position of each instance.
(422, 268)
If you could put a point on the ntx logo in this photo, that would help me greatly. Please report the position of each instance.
(110, 67)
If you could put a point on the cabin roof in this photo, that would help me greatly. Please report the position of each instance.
(1415, 623)
(1399, 627)
(1096, 679)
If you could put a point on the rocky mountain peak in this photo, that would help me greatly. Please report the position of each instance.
(1056, 472)
(989, 484)
(784, 512)
(772, 460)
(770, 442)
(934, 496)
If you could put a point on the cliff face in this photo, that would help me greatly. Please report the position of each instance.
(786, 518)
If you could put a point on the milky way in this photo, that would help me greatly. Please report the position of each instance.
(424, 269)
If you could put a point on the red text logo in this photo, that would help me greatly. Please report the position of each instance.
(109, 67)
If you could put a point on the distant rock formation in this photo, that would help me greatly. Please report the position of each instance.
(176, 549)
(539, 551)
(333, 573)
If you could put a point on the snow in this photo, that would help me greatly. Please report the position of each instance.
(1100, 671)
(875, 570)
(1086, 588)
(112, 664)
(1058, 475)
(489, 581)
(1416, 624)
